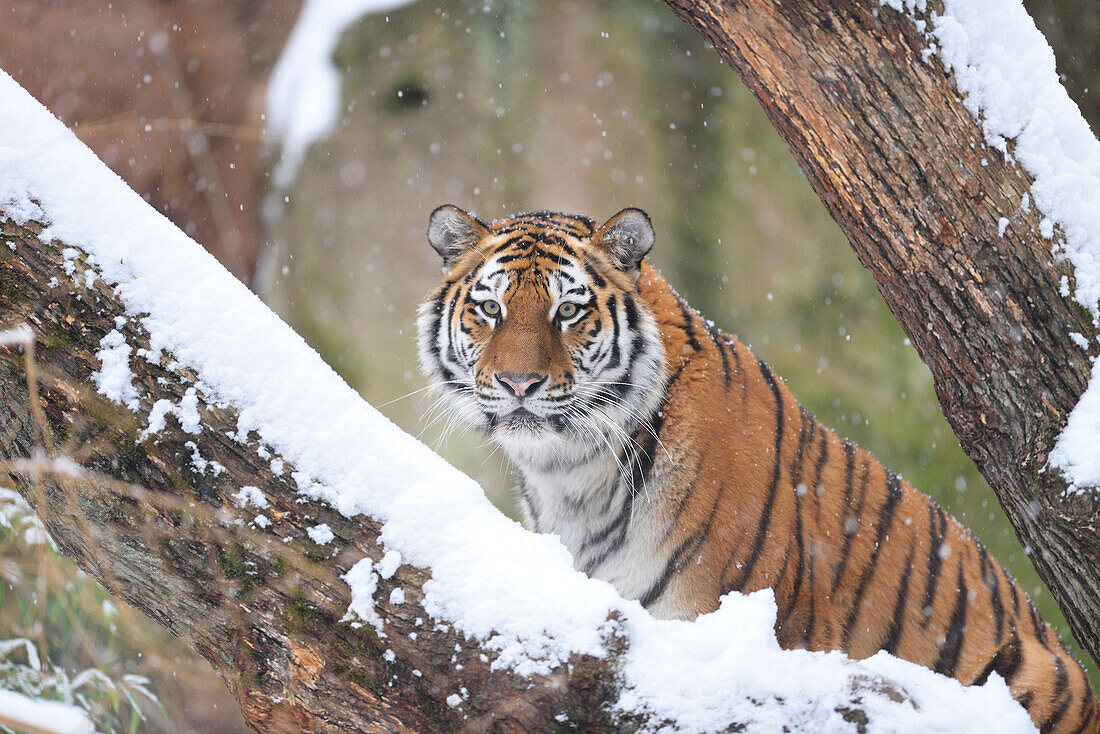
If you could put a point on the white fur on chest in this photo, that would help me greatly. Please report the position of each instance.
(579, 503)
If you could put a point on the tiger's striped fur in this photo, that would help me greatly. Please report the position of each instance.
(674, 464)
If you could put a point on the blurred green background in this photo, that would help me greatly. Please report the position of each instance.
(589, 107)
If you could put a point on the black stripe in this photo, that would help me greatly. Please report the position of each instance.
(885, 518)
(637, 347)
(452, 355)
(856, 512)
(766, 514)
(805, 439)
(822, 459)
(673, 566)
(715, 337)
(596, 277)
(1061, 684)
(993, 583)
(1039, 624)
(616, 353)
(1005, 663)
(529, 502)
(737, 364)
(601, 535)
(553, 257)
(643, 460)
(782, 604)
(620, 524)
(897, 623)
(641, 466)
(561, 242)
(689, 324)
(1089, 711)
(512, 242)
(935, 562)
(631, 312)
(948, 659)
(800, 543)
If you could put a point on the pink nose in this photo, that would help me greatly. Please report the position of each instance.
(520, 384)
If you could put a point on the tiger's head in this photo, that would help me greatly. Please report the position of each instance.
(537, 334)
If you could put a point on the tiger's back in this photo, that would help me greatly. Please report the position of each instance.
(674, 464)
(859, 560)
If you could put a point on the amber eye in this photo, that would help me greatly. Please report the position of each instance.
(491, 308)
(567, 310)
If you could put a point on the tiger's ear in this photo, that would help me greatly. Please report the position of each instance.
(451, 232)
(627, 237)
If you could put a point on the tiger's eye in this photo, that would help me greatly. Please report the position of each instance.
(491, 308)
(567, 310)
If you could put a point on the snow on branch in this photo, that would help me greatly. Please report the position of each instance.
(216, 387)
(1005, 70)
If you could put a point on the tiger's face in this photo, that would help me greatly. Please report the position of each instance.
(536, 334)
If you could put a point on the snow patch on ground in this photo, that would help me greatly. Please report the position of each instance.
(303, 94)
(1006, 71)
(515, 591)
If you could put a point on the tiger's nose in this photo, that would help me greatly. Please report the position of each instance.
(521, 384)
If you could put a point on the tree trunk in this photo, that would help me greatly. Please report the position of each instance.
(903, 167)
(155, 519)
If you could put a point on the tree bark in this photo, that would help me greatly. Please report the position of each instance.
(903, 168)
(161, 529)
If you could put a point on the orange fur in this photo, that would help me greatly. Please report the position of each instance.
(809, 525)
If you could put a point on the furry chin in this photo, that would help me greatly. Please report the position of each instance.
(523, 431)
(522, 426)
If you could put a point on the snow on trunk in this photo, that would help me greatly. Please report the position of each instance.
(516, 592)
(1006, 71)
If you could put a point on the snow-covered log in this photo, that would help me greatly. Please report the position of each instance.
(940, 139)
(187, 449)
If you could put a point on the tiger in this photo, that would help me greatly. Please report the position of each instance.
(676, 465)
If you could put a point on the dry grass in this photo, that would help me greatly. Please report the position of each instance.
(64, 637)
